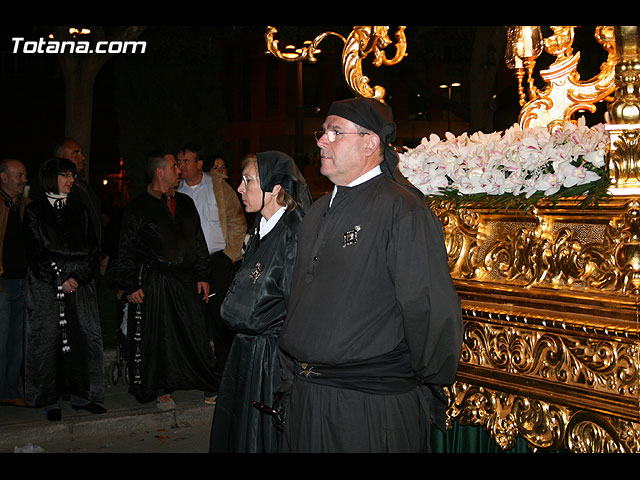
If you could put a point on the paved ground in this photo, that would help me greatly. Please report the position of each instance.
(127, 427)
(131, 437)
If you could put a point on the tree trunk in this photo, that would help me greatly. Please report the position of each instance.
(80, 72)
(80, 78)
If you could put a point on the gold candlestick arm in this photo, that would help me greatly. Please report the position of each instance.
(362, 41)
(565, 94)
(301, 54)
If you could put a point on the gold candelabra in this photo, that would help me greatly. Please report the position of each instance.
(565, 93)
(524, 46)
(361, 42)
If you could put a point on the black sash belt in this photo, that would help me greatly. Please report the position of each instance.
(390, 373)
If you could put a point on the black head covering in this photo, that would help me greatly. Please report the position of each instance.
(375, 116)
(278, 168)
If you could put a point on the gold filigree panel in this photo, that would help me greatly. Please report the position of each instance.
(545, 426)
(551, 350)
(556, 382)
(587, 250)
(557, 357)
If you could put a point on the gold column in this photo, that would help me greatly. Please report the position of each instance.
(624, 115)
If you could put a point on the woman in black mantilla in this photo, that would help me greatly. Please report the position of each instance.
(256, 304)
(64, 355)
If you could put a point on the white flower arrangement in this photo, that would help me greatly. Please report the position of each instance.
(519, 166)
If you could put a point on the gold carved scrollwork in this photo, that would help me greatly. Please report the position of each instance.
(534, 256)
(461, 243)
(593, 434)
(544, 426)
(551, 349)
(506, 416)
(543, 251)
(361, 42)
(627, 251)
(601, 365)
(624, 159)
(549, 368)
(301, 54)
(565, 94)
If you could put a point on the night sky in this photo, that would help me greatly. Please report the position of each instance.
(177, 92)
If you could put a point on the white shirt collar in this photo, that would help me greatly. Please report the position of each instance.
(205, 180)
(267, 225)
(374, 172)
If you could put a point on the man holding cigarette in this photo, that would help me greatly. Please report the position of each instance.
(162, 269)
(224, 227)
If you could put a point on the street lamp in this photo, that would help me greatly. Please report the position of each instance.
(449, 86)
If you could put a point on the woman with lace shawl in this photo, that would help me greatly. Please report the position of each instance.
(63, 343)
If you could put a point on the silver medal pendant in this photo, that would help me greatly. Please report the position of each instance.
(351, 236)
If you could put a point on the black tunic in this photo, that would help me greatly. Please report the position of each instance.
(373, 306)
(255, 310)
(166, 255)
(66, 238)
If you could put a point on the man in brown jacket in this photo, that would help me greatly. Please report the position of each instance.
(13, 269)
(224, 226)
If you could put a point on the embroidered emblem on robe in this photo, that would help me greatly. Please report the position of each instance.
(351, 236)
(257, 271)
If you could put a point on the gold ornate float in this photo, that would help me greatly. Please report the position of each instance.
(550, 300)
(550, 296)
(550, 293)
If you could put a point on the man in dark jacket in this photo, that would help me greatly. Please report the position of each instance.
(13, 270)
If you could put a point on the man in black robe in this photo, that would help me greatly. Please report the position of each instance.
(162, 269)
(374, 327)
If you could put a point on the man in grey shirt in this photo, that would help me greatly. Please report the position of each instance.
(224, 226)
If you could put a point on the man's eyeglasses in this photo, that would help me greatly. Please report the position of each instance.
(68, 175)
(332, 135)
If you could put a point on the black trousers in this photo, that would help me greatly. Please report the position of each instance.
(221, 273)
